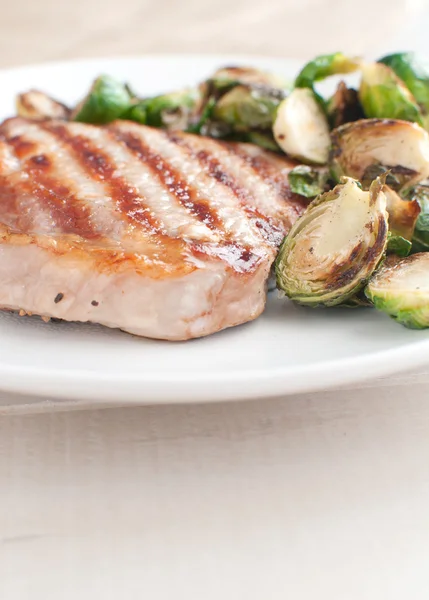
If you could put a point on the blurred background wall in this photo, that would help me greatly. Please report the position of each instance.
(39, 30)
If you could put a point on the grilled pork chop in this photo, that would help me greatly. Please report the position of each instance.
(164, 235)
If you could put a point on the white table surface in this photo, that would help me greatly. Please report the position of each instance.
(322, 496)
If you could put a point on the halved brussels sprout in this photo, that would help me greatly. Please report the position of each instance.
(400, 146)
(324, 66)
(333, 249)
(248, 107)
(107, 100)
(38, 105)
(414, 74)
(344, 106)
(400, 288)
(301, 128)
(384, 96)
(308, 181)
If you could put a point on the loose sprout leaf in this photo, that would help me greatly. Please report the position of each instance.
(307, 181)
(400, 288)
(420, 194)
(263, 139)
(344, 106)
(333, 249)
(107, 100)
(398, 245)
(324, 66)
(403, 214)
(384, 96)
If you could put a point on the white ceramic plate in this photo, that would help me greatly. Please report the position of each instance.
(288, 349)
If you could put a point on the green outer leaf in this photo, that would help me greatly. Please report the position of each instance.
(420, 193)
(406, 305)
(384, 96)
(307, 181)
(324, 66)
(107, 100)
(409, 317)
(413, 73)
(398, 245)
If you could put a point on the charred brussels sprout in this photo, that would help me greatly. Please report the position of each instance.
(333, 249)
(308, 181)
(400, 146)
(301, 128)
(414, 74)
(107, 100)
(324, 66)
(401, 289)
(38, 105)
(384, 96)
(344, 106)
(238, 100)
(403, 215)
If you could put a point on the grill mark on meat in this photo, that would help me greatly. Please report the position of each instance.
(67, 212)
(267, 170)
(262, 195)
(21, 146)
(105, 217)
(170, 178)
(212, 166)
(97, 164)
(237, 254)
(270, 231)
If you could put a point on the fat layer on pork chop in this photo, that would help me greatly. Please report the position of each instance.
(164, 235)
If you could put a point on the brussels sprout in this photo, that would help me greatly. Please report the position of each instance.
(343, 106)
(171, 111)
(324, 66)
(414, 74)
(333, 249)
(301, 128)
(247, 107)
(401, 289)
(307, 181)
(38, 105)
(225, 76)
(384, 96)
(400, 146)
(107, 100)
